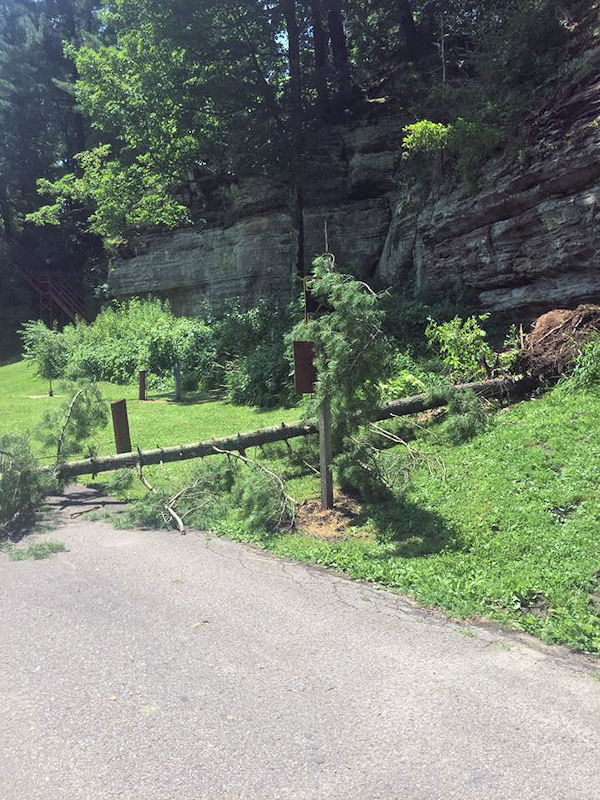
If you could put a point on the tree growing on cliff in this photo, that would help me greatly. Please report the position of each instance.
(184, 88)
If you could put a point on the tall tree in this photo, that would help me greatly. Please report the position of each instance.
(40, 125)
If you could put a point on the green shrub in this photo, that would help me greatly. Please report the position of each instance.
(139, 334)
(409, 377)
(467, 143)
(462, 345)
(22, 486)
(425, 137)
(250, 345)
(471, 144)
(586, 369)
(261, 378)
(46, 349)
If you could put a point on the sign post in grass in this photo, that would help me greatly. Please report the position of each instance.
(325, 455)
(121, 426)
(305, 376)
(142, 386)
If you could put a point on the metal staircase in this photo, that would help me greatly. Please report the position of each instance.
(56, 294)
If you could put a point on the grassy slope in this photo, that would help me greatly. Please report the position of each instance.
(512, 532)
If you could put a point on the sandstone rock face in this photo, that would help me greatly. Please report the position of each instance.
(247, 248)
(528, 237)
(525, 239)
(190, 267)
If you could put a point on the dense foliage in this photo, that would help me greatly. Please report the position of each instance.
(41, 129)
(21, 484)
(173, 92)
(242, 354)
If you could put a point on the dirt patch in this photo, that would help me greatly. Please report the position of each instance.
(555, 340)
(339, 524)
(536, 606)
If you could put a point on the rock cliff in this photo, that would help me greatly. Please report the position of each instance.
(525, 238)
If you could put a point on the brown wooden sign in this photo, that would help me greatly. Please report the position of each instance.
(305, 373)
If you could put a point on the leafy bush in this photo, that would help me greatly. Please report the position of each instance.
(425, 137)
(408, 377)
(586, 370)
(46, 349)
(471, 143)
(135, 335)
(244, 351)
(251, 348)
(468, 143)
(405, 318)
(22, 486)
(463, 345)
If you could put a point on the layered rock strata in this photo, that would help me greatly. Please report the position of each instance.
(525, 238)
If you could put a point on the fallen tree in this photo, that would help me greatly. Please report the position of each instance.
(508, 388)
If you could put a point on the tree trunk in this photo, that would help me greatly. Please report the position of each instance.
(349, 93)
(288, 8)
(320, 42)
(507, 388)
(5, 212)
(412, 37)
(297, 214)
(339, 47)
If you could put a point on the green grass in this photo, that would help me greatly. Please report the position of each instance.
(35, 552)
(511, 533)
(508, 530)
(157, 422)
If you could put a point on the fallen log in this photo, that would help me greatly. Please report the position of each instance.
(508, 388)
(164, 455)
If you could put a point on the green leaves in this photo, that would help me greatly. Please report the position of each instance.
(352, 353)
(124, 197)
(463, 345)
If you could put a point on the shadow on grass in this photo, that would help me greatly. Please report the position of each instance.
(414, 531)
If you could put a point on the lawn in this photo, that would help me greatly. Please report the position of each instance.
(504, 527)
(508, 529)
(156, 422)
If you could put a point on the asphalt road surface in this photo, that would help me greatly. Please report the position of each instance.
(152, 666)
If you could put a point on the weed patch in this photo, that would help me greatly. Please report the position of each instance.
(35, 552)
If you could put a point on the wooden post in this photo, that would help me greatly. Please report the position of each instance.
(325, 454)
(142, 394)
(121, 426)
(177, 379)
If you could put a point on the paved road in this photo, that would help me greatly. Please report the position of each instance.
(151, 666)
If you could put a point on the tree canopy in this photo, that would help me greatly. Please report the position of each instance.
(117, 107)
